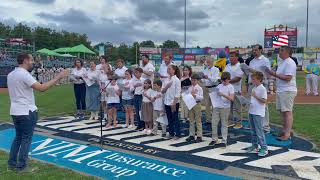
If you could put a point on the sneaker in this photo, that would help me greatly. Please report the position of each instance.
(28, 170)
(230, 124)
(130, 126)
(139, 128)
(199, 139)
(11, 168)
(163, 135)
(81, 117)
(224, 145)
(170, 137)
(212, 143)
(238, 126)
(176, 138)
(283, 138)
(149, 131)
(251, 149)
(190, 139)
(145, 130)
(263, 152)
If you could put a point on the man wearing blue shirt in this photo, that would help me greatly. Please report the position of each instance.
(312, 74)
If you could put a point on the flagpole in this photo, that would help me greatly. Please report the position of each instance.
(307, 26)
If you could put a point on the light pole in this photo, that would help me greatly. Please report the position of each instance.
(185, 26)
(307, 26)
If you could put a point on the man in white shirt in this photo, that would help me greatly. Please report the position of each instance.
(260, 63)
(236, 78)
(147, 67)
(23, 109)
(211, 76)
(286, 90)
(164, 66)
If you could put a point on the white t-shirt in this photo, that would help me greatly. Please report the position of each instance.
(163, 72)
(158, 103)
(103, 80)
(256, 107)
(235, 71)
(149, 93)
(112, 96)
(121, 72)
(287, 67)
(258, 64)
(222, 102)
(213, 76)
(138, 90)
(93, 77)
(174, 91)
(198, 90)
(20, 92)
(77, 73)
(127, 93)
(148, 67)
(99, 67)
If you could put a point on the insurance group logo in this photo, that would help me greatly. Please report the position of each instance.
(293, 159)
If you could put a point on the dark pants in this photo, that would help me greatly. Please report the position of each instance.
(80, 94)
(137, 100)
(173, 121)
(24, 126)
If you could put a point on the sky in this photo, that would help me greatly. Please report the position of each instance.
(214, 23)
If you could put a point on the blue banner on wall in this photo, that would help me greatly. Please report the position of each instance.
(104, 163)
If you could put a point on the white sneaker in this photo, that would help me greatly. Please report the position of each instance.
(96, 115)
(130, 126)
(149, 131)
(145, 131)
(91, 116)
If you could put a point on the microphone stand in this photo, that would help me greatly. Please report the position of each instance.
(101, 119)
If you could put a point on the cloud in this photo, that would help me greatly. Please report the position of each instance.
(170, 13)
(72, 16)
(42, 1)
(116, 30)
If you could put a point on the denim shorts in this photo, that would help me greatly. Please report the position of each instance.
(127, 103)
(113, 105)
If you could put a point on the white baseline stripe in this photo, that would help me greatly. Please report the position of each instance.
(67, 119)
(71, 124)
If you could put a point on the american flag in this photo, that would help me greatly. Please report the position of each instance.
(281, 40)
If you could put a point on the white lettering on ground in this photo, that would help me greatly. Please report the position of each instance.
(221, 153)
(119, 171)
(168, 144)
(303, 168)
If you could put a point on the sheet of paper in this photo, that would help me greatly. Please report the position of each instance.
(162, 120)
(243, 100)
(189, 100)
(245, 68)
(88, 81)
(213, 97)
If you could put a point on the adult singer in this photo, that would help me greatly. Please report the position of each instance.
(24, 111)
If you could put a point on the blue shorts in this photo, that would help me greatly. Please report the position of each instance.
(113, 105)
(127, 103)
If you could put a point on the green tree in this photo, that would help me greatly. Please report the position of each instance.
(22, 31)
(170, 44)
(4, 30)
(147, 43)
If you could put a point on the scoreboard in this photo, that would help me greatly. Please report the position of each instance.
(292, 34)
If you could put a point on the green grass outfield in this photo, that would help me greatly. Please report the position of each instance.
(60, 101)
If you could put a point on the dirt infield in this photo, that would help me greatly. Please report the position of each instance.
(301, 98)
(3, 90)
